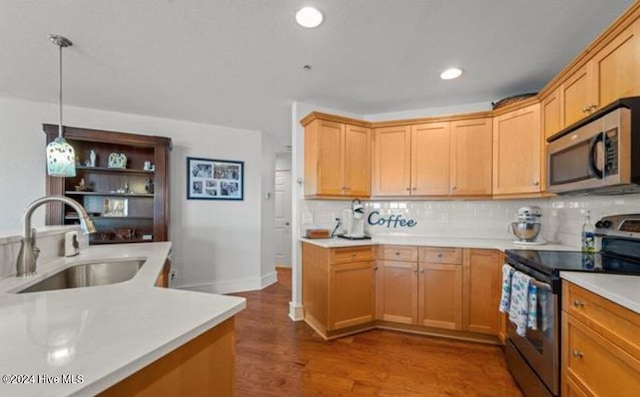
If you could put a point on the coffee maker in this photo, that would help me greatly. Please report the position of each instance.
(353, 221)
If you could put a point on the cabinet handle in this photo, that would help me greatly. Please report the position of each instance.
(578, 303)
(577, 354)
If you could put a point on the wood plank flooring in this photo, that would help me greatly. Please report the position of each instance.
(278, 357)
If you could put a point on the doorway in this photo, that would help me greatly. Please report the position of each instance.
(283, 210)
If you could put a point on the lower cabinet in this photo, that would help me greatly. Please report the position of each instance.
(405, 287)
(600, 346)
(481, 289)
(338, 288)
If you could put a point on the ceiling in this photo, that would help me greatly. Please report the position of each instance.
(240, 63)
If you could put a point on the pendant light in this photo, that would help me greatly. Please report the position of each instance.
(61, 158)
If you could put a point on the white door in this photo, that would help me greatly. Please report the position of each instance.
(283, 218)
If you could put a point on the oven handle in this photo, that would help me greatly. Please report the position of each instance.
(541, 285)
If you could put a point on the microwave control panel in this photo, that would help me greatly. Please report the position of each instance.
(611, 152)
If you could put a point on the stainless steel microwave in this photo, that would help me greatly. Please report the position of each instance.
(600, 154)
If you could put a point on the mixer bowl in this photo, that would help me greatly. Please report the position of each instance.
(525, 231)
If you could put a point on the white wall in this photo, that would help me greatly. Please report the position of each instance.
(268, 209)
(298, 111)
(217, 244)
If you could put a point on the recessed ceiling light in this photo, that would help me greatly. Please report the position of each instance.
(308, 17)
(451, 73)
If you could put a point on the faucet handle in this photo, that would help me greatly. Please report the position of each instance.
(35, 249)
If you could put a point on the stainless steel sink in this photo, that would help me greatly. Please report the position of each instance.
(88, 275)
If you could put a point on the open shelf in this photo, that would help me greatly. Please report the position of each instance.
(76, 193)
(116, 170)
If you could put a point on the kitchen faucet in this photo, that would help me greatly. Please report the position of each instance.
(28, 255)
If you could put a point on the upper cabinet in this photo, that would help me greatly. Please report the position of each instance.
(336, 158)
(517, 151)
(391, 174)
(606, 71)
(471, 147)
(439, 158)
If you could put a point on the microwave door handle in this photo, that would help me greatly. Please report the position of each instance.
(593, 160)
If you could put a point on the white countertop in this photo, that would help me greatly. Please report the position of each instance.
(102, 333)
(485, 243)
(621, 289)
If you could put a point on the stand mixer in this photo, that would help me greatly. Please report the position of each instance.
(527, 228)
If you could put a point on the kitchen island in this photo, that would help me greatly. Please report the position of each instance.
(84, 341)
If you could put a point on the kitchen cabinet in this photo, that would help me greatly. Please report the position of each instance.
(142, 195)
(424, 292)
(430, 159)
(471, 160)
(338, 288)
(202, 365)
(600, 346)
(440, 288)
(391, 163)
(550, 109)
(612, 72)
(398, 284)
(517, 151)
(481, 288)
(439, 158)
(336, 158)
(163, 278)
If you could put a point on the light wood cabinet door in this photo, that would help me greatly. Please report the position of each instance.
(391, 171)
(616, 68)
(550, 109)
(430, 159)
(440, 296)
(574, 96)
(324, 158)
(352, 294)
(397, 292)
(481, 283)
(471, 160)
(517, 151)
(357, 161)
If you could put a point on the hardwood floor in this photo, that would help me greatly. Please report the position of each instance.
(278, 357)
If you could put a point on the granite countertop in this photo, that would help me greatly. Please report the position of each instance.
(621, 289)
(102, 333)
(484, 243)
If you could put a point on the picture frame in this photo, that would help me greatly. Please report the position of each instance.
(115, 207)
(212, 179)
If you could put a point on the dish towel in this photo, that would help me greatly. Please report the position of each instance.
(505, 299)
(519, 307)
(532, 312)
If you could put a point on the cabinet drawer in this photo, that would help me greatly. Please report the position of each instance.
(616, 323)
(398, 253)
(441, 255)
(598, 365)
(351, 254)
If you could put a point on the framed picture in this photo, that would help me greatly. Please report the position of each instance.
(112, 207)
(209, 179)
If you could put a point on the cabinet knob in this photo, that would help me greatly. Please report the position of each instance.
(577, 354)
(375, 268)
(593, 106)
(415, 270)
(422, 271)
(578, 303)
(415, 188)
(440, 255)
(397, 254)
(408, 189)
(585, 109)
(454, 188)
(536, 183)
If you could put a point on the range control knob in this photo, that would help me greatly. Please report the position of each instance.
(605, 224)
(599, 225)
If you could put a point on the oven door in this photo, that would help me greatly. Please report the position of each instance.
(540, 348)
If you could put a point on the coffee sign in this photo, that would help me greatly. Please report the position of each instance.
(393, 221)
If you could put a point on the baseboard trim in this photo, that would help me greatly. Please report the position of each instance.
(233, 286)
(296, 312)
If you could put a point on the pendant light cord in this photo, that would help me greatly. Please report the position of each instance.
(60, 95)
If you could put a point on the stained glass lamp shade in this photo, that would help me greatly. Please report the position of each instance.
(61, 158)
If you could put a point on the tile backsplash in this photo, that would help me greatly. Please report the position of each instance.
(561, 221)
